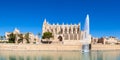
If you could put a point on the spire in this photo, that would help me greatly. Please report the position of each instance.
(45, 20)
(87, 24)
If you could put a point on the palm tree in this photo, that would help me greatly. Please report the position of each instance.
(12, 38)
(21, 38)
(27, 37)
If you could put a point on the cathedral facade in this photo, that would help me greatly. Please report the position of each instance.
(64, 32)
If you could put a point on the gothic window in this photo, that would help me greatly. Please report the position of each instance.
(60, 38)
(48, 30)
(61, 30)
(75, 36)
(66, 36)
(71, 36)
(65, 30)
(69, 30)
(55, 30)
(52, 30)
(78, 29)
(74, 30)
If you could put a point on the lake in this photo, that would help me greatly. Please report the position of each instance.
(59, 55)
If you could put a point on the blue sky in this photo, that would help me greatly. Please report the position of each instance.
(28, 15)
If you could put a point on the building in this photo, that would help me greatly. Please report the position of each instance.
(105, 40)
(68, 34)
(16, 31)
(32, 38)
(94, 40)
(111, 40)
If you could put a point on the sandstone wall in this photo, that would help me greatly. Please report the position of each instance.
(39, 47)
(56, 47)
(105, 47)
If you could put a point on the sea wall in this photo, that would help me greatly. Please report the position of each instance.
(39, 47)
(56, 47)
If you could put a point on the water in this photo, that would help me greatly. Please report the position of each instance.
(86, 36)
(85, 48)
(59, 55)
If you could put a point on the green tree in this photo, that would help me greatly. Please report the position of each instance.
(12, 38)
(47, 35)
(21, 38)
(27, 37)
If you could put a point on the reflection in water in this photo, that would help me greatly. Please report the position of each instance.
(59, 55)
(85, 56)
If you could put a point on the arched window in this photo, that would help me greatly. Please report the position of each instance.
(52, 30)
(55, 30)
(60, 38)
(61, 30)
(69, 30)
(75, 36)
(78, 30)
(66, 36)
(65, 30)
(74, 30)
(71, 36)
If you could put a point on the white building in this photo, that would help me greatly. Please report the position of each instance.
(32, 37)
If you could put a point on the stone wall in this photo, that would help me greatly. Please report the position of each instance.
(56, 47)
(72, 42)
(39, 47)
(105, 47)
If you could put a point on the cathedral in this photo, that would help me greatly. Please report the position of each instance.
(68, 34)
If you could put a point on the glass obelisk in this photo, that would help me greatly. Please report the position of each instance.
(86, 36)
